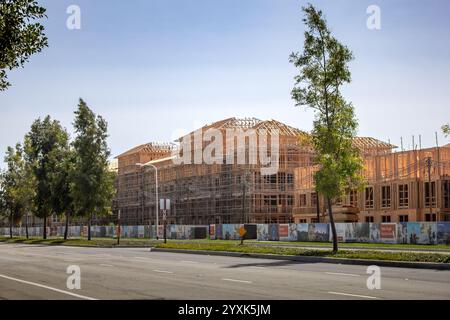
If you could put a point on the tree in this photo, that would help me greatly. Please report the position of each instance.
(46, 147)
(62, 177)
(446, 130)
(29, 188)
(323, 67)
(3, 212)
(20, 36)
(93, 184)
(16, 188)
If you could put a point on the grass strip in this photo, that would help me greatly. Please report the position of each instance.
(348, 254)
(82, 242)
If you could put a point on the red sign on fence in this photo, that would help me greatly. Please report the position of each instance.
(283, 230)
(388, 231)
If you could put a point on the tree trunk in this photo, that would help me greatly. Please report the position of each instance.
(333, 227)
(66, 231)
(89, 227)
(45, 227)
(26, 226)
(10, 225)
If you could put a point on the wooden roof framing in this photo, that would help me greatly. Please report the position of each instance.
(151, 147)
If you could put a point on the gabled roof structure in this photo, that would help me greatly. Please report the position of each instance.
(151, 147)
(369, 143)
(252, 123)
(283, 129)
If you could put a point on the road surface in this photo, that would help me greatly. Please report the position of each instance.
(39, 272)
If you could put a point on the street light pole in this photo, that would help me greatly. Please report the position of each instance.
(156, 197)
(428, 162)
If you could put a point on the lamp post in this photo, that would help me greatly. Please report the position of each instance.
(156, 196)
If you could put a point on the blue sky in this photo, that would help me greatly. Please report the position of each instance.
(155, 68)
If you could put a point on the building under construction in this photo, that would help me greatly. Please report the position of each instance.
(403, 186)
(221, 192)
(399, 187)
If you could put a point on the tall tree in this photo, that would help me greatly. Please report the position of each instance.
(93, 184)
(3, 206)
(62, 177)
(323, 69)
(46, 147)
(20, 36)
(29, 187)
(16, 188)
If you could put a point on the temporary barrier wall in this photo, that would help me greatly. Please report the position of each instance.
(402, 233)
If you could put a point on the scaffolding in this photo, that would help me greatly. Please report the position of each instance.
(214, 193)
(239, 193)
(404, 186)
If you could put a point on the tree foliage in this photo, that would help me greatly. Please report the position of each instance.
(49, 176)
(323, 69)
(16, 185)
(3, 206)
(446, 130)
(93, 184)
(20, 35)
(46, 149)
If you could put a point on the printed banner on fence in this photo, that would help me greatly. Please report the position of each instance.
(388, 232)
(212, 231)
(404, 233)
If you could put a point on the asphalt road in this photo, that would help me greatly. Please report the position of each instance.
(39, 272)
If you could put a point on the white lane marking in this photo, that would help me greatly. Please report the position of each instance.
(106, 265)
(343, 274)
(188, 261)
(235, 280)
(162, 271)
(48, 288)
(351, 295)
(257, 267)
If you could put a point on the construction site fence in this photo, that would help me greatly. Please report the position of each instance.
(395, 233)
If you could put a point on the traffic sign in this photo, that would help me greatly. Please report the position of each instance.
(242, 231)
(164, 204)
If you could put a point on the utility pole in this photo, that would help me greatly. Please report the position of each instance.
(142, 196)
(438, 155)
(118, 227)
(165, 225)
(438, 168)
(428, 162)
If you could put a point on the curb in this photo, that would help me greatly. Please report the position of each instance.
(308, 259)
